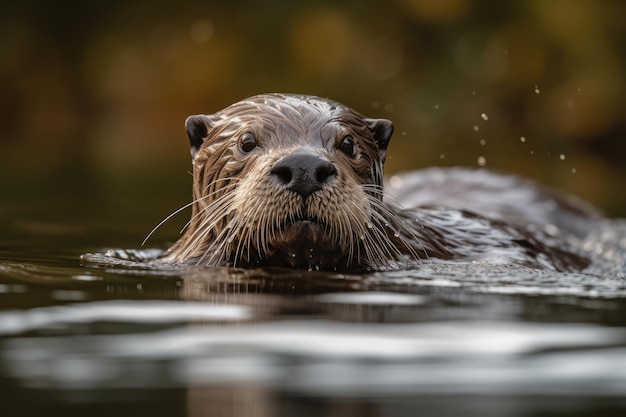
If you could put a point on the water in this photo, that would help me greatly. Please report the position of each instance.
(104, 336)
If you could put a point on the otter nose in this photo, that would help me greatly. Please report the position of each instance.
(304, 172)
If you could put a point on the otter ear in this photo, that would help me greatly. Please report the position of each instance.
(382, 129)
(197, 127)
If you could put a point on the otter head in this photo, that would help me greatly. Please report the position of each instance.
(286, 180)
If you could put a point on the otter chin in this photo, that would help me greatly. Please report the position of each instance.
(297, 181)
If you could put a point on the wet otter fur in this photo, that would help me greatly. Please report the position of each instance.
(297, 181)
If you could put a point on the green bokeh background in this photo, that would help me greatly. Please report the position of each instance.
(94, 94)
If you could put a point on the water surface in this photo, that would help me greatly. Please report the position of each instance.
(102, 336)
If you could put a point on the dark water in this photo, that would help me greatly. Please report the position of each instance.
(100, 336)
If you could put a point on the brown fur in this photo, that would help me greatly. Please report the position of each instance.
(243, 216)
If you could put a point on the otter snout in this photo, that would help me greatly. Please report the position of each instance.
(304, 172)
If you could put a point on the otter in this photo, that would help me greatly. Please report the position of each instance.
(297, 181)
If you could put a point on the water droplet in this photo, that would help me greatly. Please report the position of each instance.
(403, 133)
(573, 170)
(442, 156)
(537, 91)
(522, 139)
(375, 104)
(484, 116)
(532, 152)
(362, 237)
(562, 157)
(370, 225)
(483, 142)
(476, 128)
(396, 234)
(482, 161)
(139, 286)
(473, 93)
(388, 107)
(436, 106)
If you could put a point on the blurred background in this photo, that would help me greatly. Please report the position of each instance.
(94, 94)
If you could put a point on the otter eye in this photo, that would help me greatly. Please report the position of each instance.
(247, 142)
(347, 146)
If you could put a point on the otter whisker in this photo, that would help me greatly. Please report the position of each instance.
(379, 245)
(385, 210)
(353, 220)
(384, 247)
(215, 251)
(413, 238)
(167, 218)
(244, 241)
(345, 231)
(229, 238)
(390, 218)
(372, 252)
(219, 180)
(211, 224)
(175, 212)
(254, 227)
(226, 239)
(213, 213)
(261, 236)
(194, 216)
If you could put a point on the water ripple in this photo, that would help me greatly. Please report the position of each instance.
(332, 358)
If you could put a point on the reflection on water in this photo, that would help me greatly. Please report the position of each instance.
(316, 356)
(109, 334)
